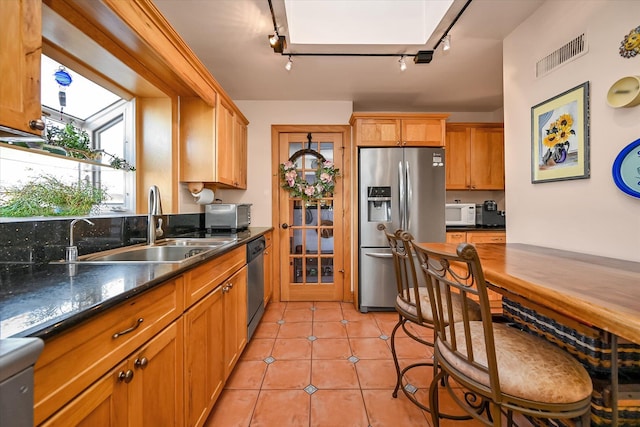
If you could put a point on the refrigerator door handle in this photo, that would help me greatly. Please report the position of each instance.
(379, 255)
(401, 188)
(409, 197)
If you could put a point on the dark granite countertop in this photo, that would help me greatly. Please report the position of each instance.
(475, 228)
(49, 300)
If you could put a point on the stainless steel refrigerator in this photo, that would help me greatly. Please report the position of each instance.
(401, 188)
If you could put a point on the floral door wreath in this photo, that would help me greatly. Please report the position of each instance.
(300, 188)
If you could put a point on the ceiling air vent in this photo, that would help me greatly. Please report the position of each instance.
(570, 51)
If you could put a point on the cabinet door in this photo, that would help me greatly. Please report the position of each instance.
(224, 144)
(422, 132)
(155, 393)
(235, 318)
(378, 132)
(240, 154)
(487, 159)
(457, 158)
(102, 404)
(20, 47)
(203, 365)
(197, 140)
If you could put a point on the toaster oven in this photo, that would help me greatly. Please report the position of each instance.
(227, 216)
(460, 214)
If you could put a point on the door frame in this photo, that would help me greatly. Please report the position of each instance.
(347, 215)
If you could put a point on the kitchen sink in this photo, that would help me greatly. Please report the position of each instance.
(173, 251)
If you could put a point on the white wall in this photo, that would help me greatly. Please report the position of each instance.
(261, 115)
(586, 215)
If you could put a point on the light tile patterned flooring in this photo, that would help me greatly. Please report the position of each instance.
(325, 364)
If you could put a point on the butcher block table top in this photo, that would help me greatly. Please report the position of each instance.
(596, 291)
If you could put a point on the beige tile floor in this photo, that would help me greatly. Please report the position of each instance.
(325, 364)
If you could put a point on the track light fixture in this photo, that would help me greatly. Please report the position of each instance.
(277, 42)
(446, 42)
(403, 65)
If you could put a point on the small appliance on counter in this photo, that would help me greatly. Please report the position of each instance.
(460, 214)
(230, 217)
(488, 215)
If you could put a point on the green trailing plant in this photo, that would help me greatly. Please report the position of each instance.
(46, 195)
(77, 143)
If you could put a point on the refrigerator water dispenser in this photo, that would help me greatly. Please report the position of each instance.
(379, 204)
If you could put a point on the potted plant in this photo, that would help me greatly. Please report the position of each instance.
(47, 195)
(77, 143)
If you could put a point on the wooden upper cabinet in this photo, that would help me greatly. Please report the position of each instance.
(224, 144)
(389, 129)
(20, 47)
(213, 143)
(197, 141)
(240, 135)
(474, 156)
(378, 132)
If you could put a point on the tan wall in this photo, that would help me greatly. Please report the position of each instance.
(586, 215)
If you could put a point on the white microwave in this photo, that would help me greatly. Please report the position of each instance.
(460, 214)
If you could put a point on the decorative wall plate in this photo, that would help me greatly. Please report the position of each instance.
(626, 169)
(625, 92)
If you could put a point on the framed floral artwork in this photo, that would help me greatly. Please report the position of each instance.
(560, 137)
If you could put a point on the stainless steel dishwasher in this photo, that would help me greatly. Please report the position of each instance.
(17, 357)
(255, 285)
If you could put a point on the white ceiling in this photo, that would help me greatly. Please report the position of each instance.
(231, 38)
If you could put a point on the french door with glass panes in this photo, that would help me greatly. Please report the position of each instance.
(312, 230)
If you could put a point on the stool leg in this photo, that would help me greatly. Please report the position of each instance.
(395, 356)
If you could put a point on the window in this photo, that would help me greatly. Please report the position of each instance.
(107, 119)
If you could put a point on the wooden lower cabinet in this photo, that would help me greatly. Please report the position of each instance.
(143, 390)
(495, 299)
(153, 360)
(215, 336)
(204, 366)
(235, 319)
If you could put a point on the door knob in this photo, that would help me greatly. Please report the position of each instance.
(285, 226)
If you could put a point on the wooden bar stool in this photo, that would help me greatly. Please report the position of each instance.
(501, 369)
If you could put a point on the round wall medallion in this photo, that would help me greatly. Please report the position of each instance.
(626, 169)
(625, 92)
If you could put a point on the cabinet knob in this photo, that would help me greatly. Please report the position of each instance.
(36, 124)
(141, 363)
(230, 285)
(225, 289)
(125, 377)
(285, 226)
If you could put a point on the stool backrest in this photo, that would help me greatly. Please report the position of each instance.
(405, 270)
(450, 276)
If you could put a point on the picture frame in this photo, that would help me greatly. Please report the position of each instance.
(560, 137)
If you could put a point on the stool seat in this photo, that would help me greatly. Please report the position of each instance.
(407, 307)
(528, 366)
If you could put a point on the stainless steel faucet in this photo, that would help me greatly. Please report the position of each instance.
(71, 253)
(155, 208)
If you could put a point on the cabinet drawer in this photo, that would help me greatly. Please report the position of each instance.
(456, 236)
(203, 279)
(486, 237)
(74, 360)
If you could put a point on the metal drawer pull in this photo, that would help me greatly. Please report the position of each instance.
(125, 377)
(131, 329)
(141, 363)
